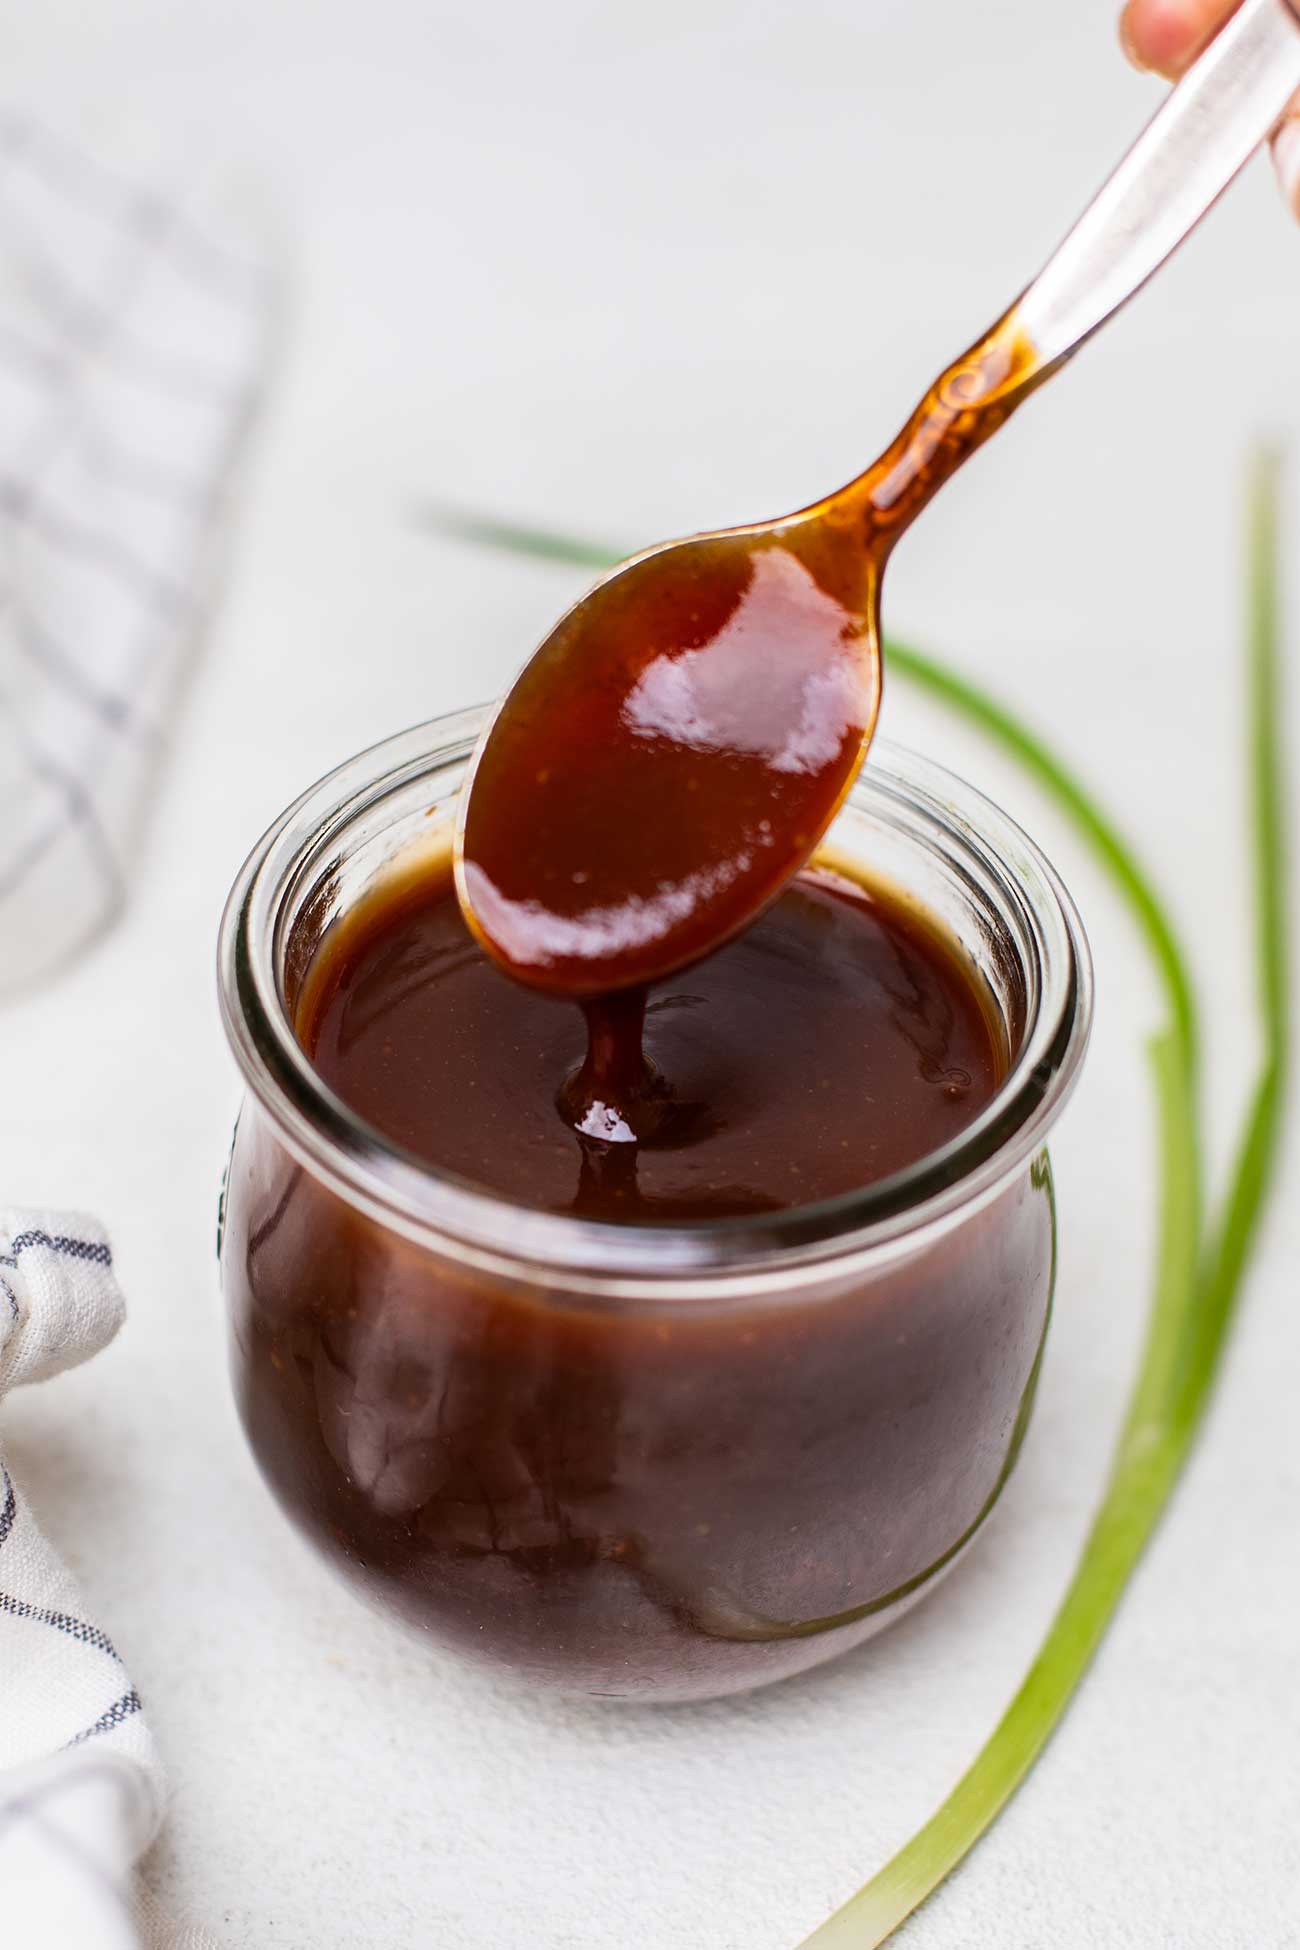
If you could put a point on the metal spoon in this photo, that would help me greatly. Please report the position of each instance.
(681, 741)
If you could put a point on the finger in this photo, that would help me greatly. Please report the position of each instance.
(1286, 158)
(1167, 35)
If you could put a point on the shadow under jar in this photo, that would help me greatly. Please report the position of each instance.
(655, 1461)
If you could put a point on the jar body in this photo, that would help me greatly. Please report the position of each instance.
(657, 1503)
(650, 1461)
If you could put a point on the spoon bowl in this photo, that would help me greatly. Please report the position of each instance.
(682, 740)
(670, 755)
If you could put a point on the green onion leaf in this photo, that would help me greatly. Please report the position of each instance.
(1195, 1283)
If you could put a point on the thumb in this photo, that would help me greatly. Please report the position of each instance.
(1286, 159)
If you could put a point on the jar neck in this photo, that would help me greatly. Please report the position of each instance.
(313, 864)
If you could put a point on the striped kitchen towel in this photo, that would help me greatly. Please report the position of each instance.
(134, 307)
(81, 1790)
(133, 320)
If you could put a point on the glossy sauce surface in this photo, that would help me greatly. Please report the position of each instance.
(834, 1042)
(680, 743)
(665, 762)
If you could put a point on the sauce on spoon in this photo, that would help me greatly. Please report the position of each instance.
(680, 743)
(682, 740)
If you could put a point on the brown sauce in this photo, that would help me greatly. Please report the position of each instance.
(656, 1500)
(837, 1040)
(661, 1500)
(679, 744)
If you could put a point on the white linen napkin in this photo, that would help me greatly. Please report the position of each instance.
(81, 1788)
(134, 308)
(132, 325)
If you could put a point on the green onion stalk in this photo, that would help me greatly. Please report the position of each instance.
(1199, 1268)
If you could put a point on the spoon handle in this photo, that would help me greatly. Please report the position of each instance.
(1210, 125)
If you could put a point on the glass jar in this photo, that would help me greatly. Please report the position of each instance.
(665, 1461)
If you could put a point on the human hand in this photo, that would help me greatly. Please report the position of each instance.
(1167, 35)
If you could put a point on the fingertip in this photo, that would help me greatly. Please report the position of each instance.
(1161, 35)
(1129, 40)
(1286, 162)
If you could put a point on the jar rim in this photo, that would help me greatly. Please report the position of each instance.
(445, 1214)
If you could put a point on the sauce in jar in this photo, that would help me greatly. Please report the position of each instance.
(660, 1499)
(838, 1039)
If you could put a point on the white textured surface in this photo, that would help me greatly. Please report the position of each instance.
(641, 269)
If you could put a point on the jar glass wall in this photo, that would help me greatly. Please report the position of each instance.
(649, 1461)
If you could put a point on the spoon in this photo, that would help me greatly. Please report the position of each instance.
(683, 738)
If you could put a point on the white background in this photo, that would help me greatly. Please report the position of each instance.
(639, 270)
